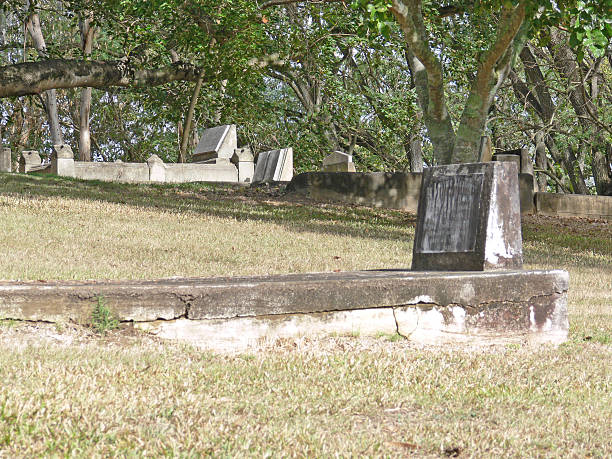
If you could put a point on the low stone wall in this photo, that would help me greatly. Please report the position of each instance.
(154, 170)
(111, 172)
(394, 190)
(180, 173)
(573, 205)
(400, 190)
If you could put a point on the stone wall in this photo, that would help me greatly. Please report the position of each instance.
(401, 190)
(395, 190)
(154, 170)
(574, 205)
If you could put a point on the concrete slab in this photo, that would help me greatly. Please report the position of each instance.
(424, 307)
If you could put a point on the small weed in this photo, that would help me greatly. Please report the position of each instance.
(8, 323)
(391, 337)
(102, 319)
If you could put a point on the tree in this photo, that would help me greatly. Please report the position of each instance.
(510, 24)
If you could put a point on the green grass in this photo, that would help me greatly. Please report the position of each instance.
(69, 392)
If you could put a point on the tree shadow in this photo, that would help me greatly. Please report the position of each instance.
(225, 201)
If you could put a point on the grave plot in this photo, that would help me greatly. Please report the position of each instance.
(494, 304)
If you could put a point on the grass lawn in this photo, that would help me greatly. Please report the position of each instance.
(66, 391)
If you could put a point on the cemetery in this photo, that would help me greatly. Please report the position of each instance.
(354, 228)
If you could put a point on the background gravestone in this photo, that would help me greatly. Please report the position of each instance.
(5, 159)
(274, 166)
(243, 160)
(29, 161)
(338, 161)
(469, 218)
(62, 160)
(216, 145)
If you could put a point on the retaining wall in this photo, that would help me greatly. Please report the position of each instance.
(573, 205)
(393, 190)
(154, 170)
(400, 190)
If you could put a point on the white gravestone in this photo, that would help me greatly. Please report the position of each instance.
(274, 166)
(216, 145)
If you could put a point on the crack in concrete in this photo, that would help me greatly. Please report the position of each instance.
(397, 330)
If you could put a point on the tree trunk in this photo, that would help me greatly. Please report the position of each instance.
(50, 97)
(541, 161)
(602, 172)
(439, 128)
(87, 37)
(415, 153)
(188, 120)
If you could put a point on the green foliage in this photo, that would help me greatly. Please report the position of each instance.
(102, 319)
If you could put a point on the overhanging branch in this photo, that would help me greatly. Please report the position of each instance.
(36, 77)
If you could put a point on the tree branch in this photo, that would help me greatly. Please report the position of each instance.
(36, 77)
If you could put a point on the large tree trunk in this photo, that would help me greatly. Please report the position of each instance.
(49, 97)
(602, 172)
(415, 155)
(493, 68)
(439, 128)
(87, 37)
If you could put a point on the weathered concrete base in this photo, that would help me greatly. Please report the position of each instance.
(242, 311)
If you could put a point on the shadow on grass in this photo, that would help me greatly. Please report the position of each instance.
(219, 200)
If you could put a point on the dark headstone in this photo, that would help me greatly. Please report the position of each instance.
(469, 218)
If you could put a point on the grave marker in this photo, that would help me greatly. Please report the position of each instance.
(5, 159)
(469, 218)
(243, 159)
(216, 145)
(338, 161)
(62, 161)
(274, 166)
(29, 160)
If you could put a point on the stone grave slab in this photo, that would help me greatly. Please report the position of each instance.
(243, 160)
(62, 161)
(216, 144)
(469, 218)
(274, 166)
(236, 312)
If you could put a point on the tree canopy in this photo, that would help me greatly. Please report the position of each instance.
(376, 78)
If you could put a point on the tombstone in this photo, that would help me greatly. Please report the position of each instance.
(216, 145)
(469, 218)
(62, 160)
(5, 159)
(29, 161)
(274, 166)
(243, 159)
(520, 156)
(338, 161)
(157, 170)
(485, 152)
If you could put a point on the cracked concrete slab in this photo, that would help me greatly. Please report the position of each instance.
(418, 305)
